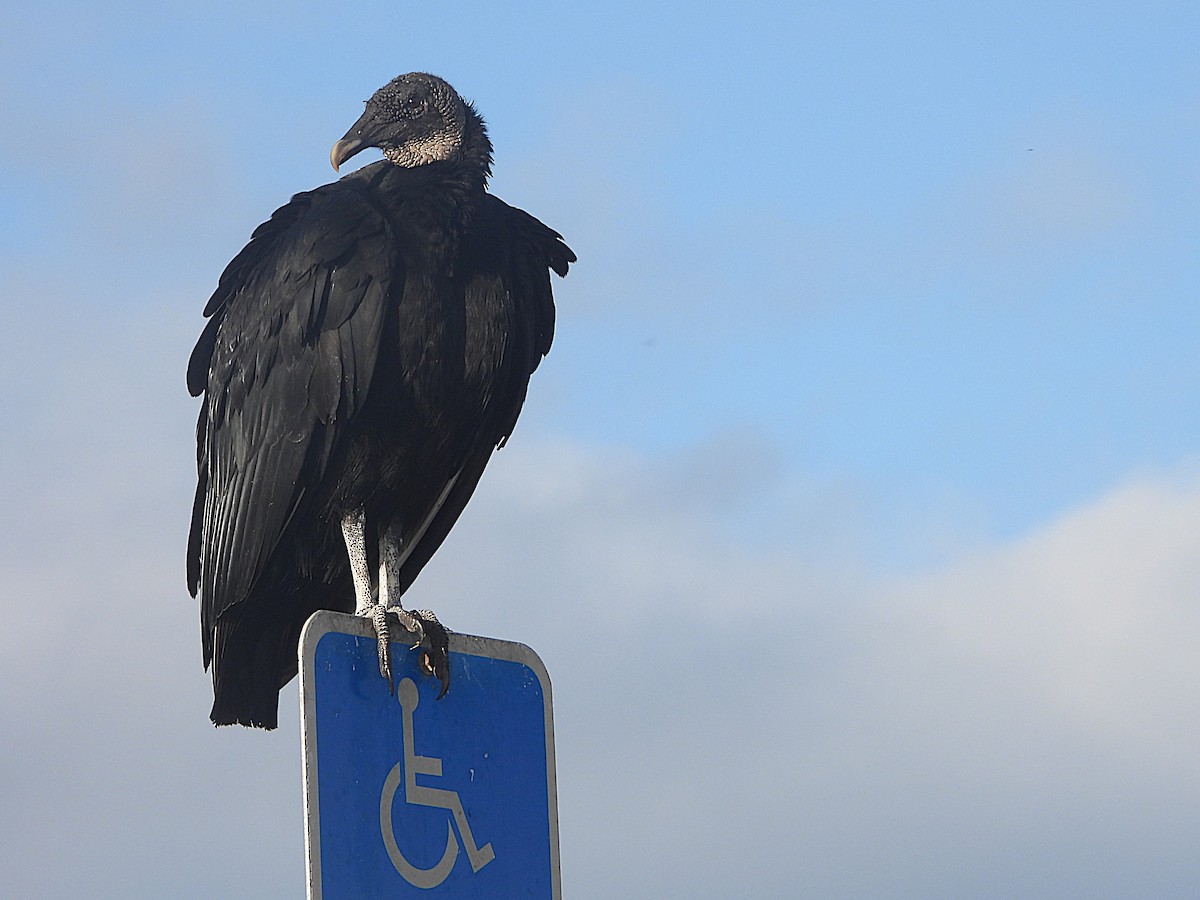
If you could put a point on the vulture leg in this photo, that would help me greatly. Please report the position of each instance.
(354, 528)
(422, 622)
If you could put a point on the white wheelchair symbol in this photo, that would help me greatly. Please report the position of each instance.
(419, 795)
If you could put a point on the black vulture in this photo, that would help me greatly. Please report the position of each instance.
(364, 355)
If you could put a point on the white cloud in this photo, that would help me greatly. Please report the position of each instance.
(1096, 617)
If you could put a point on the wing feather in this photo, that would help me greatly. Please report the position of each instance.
(288, 353)
(509, 302)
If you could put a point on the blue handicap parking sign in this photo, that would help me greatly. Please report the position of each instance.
(407, 795)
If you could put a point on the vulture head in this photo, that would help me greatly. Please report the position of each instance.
(417, 119)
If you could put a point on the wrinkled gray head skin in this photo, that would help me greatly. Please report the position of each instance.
(414, 119)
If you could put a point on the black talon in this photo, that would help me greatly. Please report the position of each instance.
(436, 659)
(385, 668)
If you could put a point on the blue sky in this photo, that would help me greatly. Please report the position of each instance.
(869, 434)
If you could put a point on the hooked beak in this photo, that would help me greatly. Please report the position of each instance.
(343, 150)
(359, 137)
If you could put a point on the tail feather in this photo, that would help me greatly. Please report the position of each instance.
(251, 662)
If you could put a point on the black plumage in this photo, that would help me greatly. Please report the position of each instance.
(365, 353)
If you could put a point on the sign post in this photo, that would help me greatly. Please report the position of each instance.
(408, 795)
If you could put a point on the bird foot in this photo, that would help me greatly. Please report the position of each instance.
(422, 623)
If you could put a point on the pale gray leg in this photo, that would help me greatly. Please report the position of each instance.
(389, 566)
(390, 560)
(354, 527)
(420, 622)
(354, 530)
